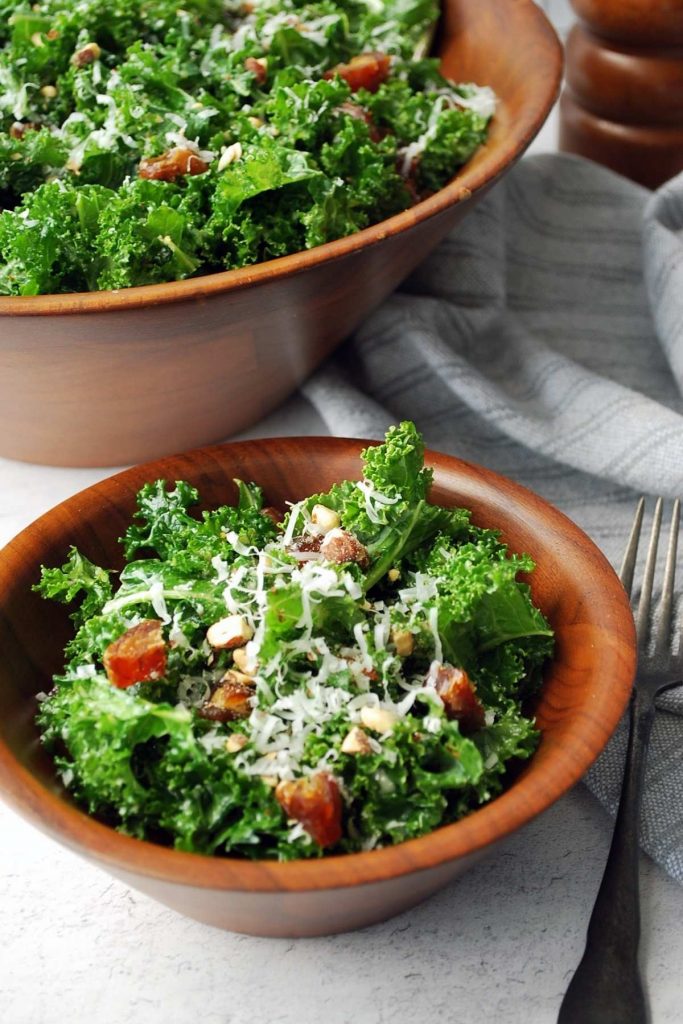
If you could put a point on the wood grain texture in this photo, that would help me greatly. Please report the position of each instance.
(643, 22)
(623, 104)
(117, 377)
(584, 693)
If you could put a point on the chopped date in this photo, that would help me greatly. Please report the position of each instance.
(230, 701)
(366, 71)
(315, 802)
(177, 163)
(359, 113)
(457, 692)
(410, 183)
(273, 513)
(19, 128)
(138, 656)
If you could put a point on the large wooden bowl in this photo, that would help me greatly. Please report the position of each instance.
(117, 377)
(583, 696)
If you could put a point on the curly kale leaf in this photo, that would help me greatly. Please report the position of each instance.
(478, 583)
(148, 233)
(164, 525)
(249, 496)
(77, 578)
(458, 133)
(48, 243)
(161, 520)
(396, 466)
(414, 785)
(26, 162)
(388, 511)
(487, 621)
(144, 767)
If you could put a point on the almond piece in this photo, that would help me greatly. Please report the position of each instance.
(232, 631)
(356, 742)
(378, 719)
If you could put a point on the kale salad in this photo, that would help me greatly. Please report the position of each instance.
(341, 678)
(142, 141)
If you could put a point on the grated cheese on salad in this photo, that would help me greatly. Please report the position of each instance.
(304, 726)
(141, 143)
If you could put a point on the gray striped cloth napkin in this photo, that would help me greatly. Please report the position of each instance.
(543, 339)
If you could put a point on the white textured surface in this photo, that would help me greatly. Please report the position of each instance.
(499, 945)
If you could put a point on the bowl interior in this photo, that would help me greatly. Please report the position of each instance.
(585, 691)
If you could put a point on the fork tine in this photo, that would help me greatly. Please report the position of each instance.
(666, 604)
(643, 616)
(629, 563)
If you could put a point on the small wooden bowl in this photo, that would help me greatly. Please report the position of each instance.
(111, 378)
(584, 694)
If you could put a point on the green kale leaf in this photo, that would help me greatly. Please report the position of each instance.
(77, 578)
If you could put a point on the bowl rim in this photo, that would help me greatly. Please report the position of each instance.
(476, 176)
(481, 828)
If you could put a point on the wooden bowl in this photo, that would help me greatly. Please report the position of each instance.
(117, 377)
(583, 696)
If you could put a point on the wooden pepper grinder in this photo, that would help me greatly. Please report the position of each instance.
(623, 100)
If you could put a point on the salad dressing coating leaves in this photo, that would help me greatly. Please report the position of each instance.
(143, 142)
(339, 662)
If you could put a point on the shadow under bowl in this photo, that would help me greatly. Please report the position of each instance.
(584, 693)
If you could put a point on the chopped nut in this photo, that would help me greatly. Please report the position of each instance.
(52, 34)
(378, 719)
(341, 546)
(37, 39)
(270, 780)
(235, 742)
(256, 122)
(356, 742)
(404, 642)
(242, 660)
(325, 518)
(232, 631)
(229, 155)
(393, 575)
(233, 675)
(88, 54)
(48, 92)
(230, 701)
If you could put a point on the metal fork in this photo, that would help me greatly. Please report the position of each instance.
(607, 986)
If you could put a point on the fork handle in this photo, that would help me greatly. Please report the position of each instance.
(606, 987)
